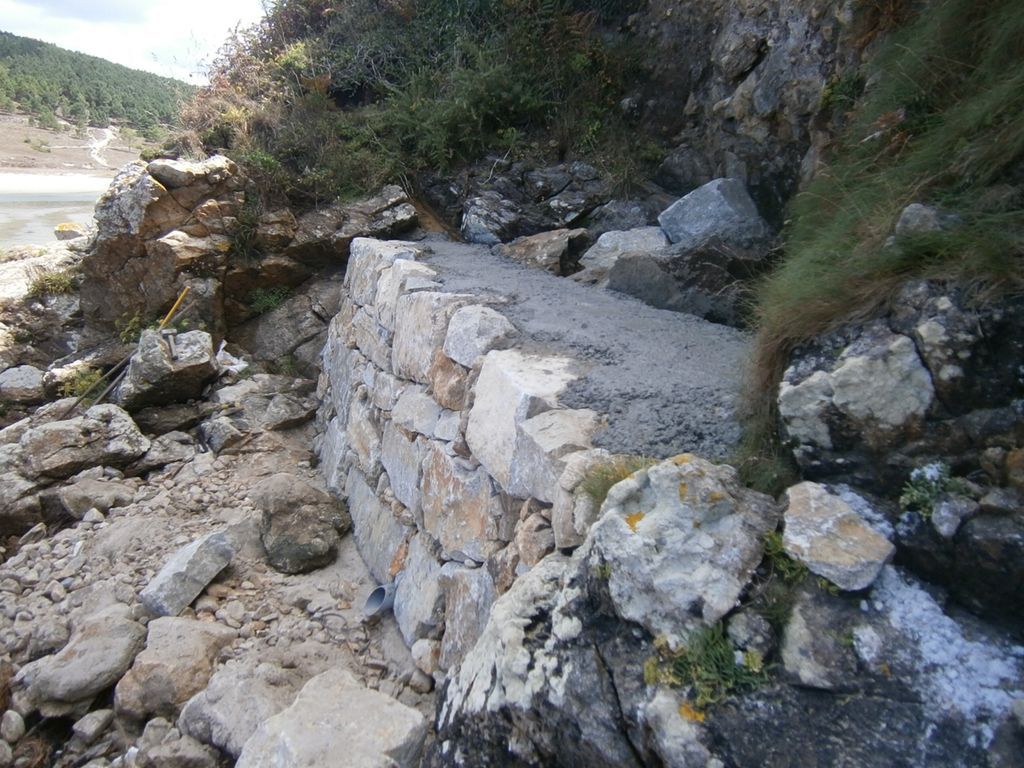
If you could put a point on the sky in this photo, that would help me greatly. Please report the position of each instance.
(173, 38)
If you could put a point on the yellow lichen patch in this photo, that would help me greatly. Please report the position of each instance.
(716, 496)
(687, 712)
(683, 490)
(633, 520)
(682, 458)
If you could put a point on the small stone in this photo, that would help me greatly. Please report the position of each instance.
(421, 682)
(12, 727)
(91, 726)
(950, 512)
(823, 532)
(6, 754)
(1002, 501)
(425, 654)
(93, 516)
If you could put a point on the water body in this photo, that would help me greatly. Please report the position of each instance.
(31, 205)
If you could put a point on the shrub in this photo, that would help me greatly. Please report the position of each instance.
(709, 668)
(925, 486)
(348, 96)
(263, 300)
(80, 382)
(51, 283)
(600, 479)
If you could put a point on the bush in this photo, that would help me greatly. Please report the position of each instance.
(600, 479)
(348, 96)
(80, 382)
(263, 300)
(707, 666)
(51, 283)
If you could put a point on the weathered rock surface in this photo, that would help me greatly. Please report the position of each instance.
(720, 209)
(100, 650)
(681, 541)
(557, 251)
(156, 376)
(186, 574)
(175, 665)
(301, 525)
(103, 435)
(933, 381)
(22, 384)
(823, 532)
(239, 698)
(369, 728)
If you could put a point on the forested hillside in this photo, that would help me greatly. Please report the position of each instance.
(46, 80)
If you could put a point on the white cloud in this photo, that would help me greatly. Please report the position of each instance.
(174, 38)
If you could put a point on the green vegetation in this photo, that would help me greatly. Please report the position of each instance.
(789, 570)
(943, 124)
(332, 99)
(51, 283)
(707, 666)
(601, 478)
(80, 382)
(925, 487)
(45, 81)
(263, 300)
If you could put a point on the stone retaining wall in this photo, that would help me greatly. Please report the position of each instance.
(459, 464)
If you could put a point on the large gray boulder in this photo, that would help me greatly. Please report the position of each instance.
(101, 649)
(720, 209)
(156, 376)
(240, 697)
(682, 540)
(104, 435)
(335, 716)
(301, 526)
(186, 573)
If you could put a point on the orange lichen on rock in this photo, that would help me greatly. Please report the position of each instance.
(633, 520)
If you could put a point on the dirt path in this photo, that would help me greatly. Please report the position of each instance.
(99, 143)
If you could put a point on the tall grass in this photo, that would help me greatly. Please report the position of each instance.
(941, 122)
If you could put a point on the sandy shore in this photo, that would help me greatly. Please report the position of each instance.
(49, 183)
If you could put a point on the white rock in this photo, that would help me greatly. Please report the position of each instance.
(513, 386)
(679, 542)
(475, 331)
(334, 716)
(12, 727)
(416, 411)
(22, 384)
(825, 533)
(421, 322)
(419, 599)
(396, 280)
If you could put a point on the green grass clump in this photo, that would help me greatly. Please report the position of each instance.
(51, 283)
(263, 300)
(600, 479)
(789, 570)
(708, 667)
(942, 123)
(926, 486)
(80, 382)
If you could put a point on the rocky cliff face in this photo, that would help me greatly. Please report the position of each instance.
(741, 88)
